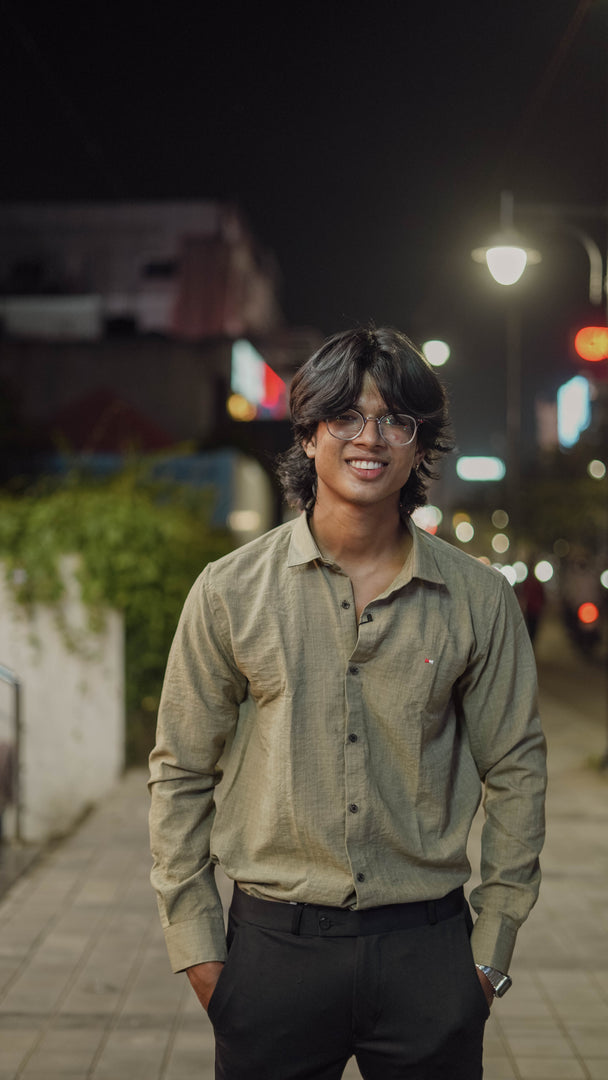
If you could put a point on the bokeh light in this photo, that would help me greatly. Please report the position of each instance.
(240, 409)
(596, 469)
(460, 516)
(588, 613)
(464, 532)
(543, 570)
(500, 519)
(428, 518)
(437, 352)
(509, 573)
(500, 543)
(480, 468)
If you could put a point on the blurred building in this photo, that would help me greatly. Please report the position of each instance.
(124, 327)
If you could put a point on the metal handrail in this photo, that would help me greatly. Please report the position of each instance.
(8, 676)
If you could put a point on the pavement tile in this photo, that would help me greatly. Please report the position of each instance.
(591, 1040)
(60, 1052)
(598, 1068)
(192, 1055)
(539, 1042)
(550, 1068)
(154, 990)
(14, 1046)
(132, 1053)
(498, 1068)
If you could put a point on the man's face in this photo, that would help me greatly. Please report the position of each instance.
(365, 471)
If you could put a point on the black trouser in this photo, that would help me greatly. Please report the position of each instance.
(304, 988)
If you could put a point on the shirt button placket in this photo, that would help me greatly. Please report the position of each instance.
(355, 770)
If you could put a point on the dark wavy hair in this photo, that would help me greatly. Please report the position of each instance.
(331, 381)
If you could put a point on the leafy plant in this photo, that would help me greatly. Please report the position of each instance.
(140, 544)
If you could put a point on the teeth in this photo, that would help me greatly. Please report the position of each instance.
(367, 464)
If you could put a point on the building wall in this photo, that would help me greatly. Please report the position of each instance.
(73, 714)
(173, 383)
(191, 268)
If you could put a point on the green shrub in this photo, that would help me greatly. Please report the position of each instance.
(140, 543)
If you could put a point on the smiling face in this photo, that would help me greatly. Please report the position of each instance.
(365, 471)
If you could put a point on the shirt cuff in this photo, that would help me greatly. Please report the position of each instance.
(195, 942)
(493, 940)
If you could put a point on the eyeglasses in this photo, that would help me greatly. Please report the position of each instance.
(397, 429)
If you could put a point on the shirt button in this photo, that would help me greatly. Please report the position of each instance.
(353, 670)
(360, 877)
(353, 808)
(346, 604)
(352, 737)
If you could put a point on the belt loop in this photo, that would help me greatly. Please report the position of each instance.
(431, 910)
(298, 911)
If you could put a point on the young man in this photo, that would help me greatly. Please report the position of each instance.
(336, 695)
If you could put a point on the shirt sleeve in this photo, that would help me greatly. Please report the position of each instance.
(498, 697)
(199, 707)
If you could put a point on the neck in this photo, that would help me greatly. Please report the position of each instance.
(351, 533)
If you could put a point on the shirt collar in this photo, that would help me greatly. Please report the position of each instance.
(302, 546)
(421, 564)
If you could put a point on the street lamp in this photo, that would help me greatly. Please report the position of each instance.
(507, 256)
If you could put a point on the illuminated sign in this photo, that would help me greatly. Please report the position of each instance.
(573, 410)
(480, 468)
(257, 383)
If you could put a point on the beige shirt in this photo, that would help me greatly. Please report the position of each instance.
(323, 761)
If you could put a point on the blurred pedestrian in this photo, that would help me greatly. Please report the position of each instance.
(532, 599)
(337, 694)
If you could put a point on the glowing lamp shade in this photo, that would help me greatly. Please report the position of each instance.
(591, 343)
(480, 468)
(506, 264)
(588, 613)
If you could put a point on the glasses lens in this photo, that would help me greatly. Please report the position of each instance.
(398, 429)
(345, 426)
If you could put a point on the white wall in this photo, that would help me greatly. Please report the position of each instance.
(72, 716)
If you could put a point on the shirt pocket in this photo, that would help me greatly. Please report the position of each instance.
(428, 677)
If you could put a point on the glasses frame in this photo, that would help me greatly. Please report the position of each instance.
(378, 419)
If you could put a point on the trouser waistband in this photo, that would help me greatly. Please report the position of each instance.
(312, 919)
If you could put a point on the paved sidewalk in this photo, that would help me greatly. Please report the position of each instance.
(85, 988)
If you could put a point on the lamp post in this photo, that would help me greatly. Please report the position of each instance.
(507, 256)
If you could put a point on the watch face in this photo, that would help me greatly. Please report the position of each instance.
(500, 982)
(502, 986)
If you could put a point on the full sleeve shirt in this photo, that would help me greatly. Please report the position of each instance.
(325, 760)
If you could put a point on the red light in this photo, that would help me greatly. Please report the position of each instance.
(588, 613)
(591, 343)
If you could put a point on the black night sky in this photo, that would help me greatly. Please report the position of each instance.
(366, 143)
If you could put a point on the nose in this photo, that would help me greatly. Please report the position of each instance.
(371, 433)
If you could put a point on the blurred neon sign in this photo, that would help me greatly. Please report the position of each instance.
(254, 380)
(573, 410)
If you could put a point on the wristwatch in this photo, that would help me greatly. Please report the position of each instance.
(500, 982)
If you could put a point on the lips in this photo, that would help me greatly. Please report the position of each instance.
(366, 468)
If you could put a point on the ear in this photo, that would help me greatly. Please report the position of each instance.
(418, 457)
(310, 447)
